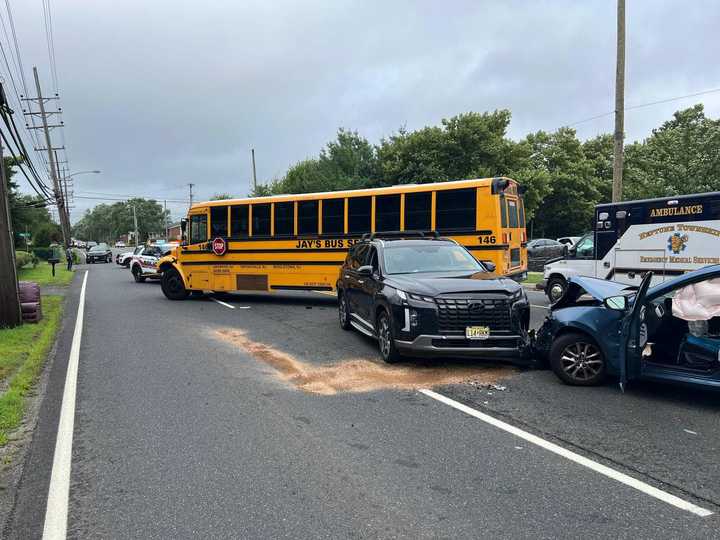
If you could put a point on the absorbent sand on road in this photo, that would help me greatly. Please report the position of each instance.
(361, 375)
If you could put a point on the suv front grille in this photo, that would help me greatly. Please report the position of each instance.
(454, 314)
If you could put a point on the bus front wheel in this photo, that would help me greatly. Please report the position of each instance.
(555, 288)
(172, 285)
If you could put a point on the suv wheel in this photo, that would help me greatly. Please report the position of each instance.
(386, 341)
(577, 360)
(172, 285)
(137, 274)
(343, 311)
(555, 288)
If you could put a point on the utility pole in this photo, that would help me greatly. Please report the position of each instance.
(57, 189)
(252, 152)
(64, 191)
(191, 198)
(165, 219)
(10, 314)
(619, 135)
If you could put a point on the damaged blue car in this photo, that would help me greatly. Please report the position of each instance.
(603, 329)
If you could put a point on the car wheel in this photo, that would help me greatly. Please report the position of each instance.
(137, 274)
(343, 312)
(577, 360)
(172, 285)
(555, 288)
(386, 341)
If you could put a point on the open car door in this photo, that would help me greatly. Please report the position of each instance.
(634, 334)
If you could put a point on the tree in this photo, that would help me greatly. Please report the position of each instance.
(681, 156)
(221, 197)
(470, 145)
(107, 222)
(568, 208)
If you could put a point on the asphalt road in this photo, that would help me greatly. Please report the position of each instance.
(266, 420)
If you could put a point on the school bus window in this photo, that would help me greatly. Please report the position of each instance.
(418, 210)
(387, 213)
(261, 220)
(333, 216)
(521, 208)
(307, 217)
(218, 221)
(284, 218)
(513, 213)
(359, 214)
(198, 228)
(455, 210)
(239, 221)
(503, 212)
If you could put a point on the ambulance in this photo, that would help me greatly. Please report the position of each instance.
(668, 236)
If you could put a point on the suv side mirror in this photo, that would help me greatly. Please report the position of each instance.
(489, 266)
(365, 270)
(572, 251)
(616, 303)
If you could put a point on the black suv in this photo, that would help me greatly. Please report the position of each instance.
(428, 296)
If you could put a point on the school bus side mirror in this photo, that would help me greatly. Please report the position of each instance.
(183, 228)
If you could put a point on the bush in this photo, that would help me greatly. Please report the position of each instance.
(23, 258)
(43, 253)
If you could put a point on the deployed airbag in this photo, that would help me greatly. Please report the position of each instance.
(698, 302)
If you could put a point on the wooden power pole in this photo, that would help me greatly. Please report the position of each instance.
(57, 187)
(619, 134)
(10, 314)
(252, 152)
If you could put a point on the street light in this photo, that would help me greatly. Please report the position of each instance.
(82, 172)
(65, 181)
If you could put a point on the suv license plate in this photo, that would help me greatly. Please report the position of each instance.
(477, 332)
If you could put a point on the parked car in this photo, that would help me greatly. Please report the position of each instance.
(99, 253)
(119, 244)
(569, 241)
(668, 332)
(144, 265)
(431, 297)
(545, 248)
(124, 258)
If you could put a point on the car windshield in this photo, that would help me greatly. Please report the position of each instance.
(98, 248)
(429, 258)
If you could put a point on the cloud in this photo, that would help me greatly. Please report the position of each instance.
(158, 94)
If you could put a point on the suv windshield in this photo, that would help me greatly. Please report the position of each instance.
(98, 248)
(410, 259)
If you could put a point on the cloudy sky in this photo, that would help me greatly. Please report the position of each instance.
(159, 93)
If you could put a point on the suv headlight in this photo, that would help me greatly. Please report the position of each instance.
(517, 295)
(422, 298)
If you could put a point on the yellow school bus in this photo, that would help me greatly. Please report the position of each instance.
(298, 242)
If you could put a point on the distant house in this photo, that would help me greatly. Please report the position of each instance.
(174, 232)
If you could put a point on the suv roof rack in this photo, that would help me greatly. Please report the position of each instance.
(402, 234)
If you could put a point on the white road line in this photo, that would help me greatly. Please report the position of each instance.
(57, 502)
(222, 303)
(572, 456)
(542, 307)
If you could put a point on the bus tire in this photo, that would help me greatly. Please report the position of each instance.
(172, 285)
(137, 274)
(343, 311)
(555, 288)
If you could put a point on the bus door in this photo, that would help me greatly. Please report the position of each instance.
(514, 233)
(197, 239)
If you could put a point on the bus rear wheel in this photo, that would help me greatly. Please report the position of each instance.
(172, 285)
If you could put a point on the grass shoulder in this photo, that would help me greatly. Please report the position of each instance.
(534, 277)
(42, 274)
(24, 350)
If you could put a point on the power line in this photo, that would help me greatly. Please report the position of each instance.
(647, 104)
(98, 198)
